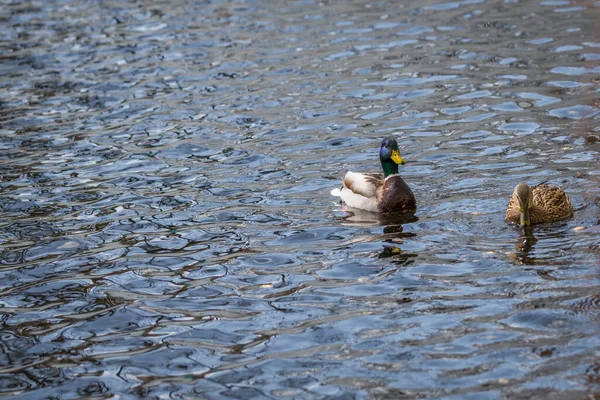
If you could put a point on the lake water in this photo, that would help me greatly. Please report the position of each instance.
(166, 223)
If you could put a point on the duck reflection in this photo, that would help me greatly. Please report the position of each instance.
(397, 255)
(394, 234)
(363, 216)
(525, 246)
(393, 231)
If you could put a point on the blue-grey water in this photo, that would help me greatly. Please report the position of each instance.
(166, 223)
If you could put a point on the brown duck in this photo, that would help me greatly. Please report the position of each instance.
(542, 203)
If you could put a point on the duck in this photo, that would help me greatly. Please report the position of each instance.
(540, 204)
(379, 192)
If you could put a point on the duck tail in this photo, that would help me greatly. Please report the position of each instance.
(337, 192)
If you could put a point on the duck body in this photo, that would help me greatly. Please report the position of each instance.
(380, 192)
(541, 204)
(376, 193)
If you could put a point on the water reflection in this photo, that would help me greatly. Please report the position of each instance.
(525, 246)
(393, 231)
(165, 219)
(541, 244)
(357, 215)
(396, 255)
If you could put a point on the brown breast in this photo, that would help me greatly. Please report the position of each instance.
(397, 196)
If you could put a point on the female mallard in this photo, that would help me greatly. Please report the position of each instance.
(543, 203)
(385, 192)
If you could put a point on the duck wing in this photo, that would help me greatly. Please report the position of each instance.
(512, 211)
(552, 199)
(362, 190)
(365, 185)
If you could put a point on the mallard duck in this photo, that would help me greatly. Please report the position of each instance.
(385, 192)
(543, 203)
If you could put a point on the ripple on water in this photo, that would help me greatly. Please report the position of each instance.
(520, 128)
(165, 219)
(574, 112)
(540, 100)
(567, 84)
(273, 260)
(474, 95)
(507, 107)
(575, 71)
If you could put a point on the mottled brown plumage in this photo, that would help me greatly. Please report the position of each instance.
(537, 205)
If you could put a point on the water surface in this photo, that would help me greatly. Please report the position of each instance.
(166, 224)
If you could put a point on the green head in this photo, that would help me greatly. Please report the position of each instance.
(523, 196)
(390, 156)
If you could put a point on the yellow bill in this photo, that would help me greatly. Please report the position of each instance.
(524, 216)
(396, 157)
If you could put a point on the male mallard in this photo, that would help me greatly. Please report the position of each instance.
(543, 203)
(385, 192)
